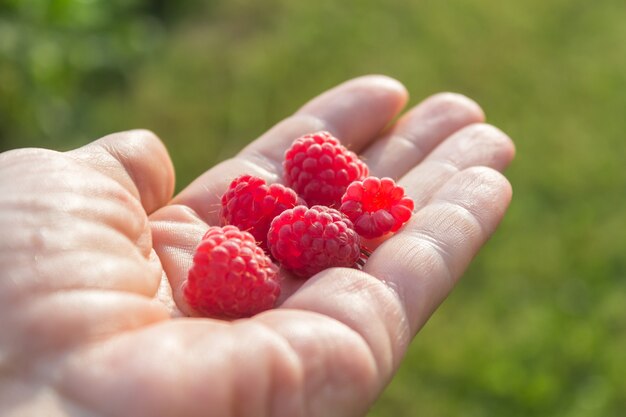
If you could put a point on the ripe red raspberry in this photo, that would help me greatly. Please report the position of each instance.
(308, 240)
(376, 206)
(231, 276)
(319, 168)
(250, 204)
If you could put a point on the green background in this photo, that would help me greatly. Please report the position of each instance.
(537, 326)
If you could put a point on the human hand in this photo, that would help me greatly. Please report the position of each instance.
(95, 251)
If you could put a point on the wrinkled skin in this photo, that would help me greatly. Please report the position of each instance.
(95, 250)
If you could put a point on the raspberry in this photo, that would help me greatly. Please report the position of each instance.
(376, 206)
(319, 169)
(251, 204)
(308, 240)
(231, 276)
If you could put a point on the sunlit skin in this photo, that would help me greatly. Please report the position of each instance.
(95, 251)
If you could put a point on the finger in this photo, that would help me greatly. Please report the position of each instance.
(355, 112)
(417, 132)
(475, 145)
(56, 207)
(409, 275)
(441, 239)
(138, 160)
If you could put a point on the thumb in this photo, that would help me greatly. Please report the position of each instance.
(138, 160)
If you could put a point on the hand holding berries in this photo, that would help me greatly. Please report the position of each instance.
(100, 266)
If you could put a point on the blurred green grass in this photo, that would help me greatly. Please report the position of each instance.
(537, 326)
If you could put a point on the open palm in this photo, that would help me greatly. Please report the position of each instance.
(95, 251)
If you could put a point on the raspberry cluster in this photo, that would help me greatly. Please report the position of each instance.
(376, 206)
(231, 276)
(250, 204)
(316, 221)
(320, 169)
(309, 240)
